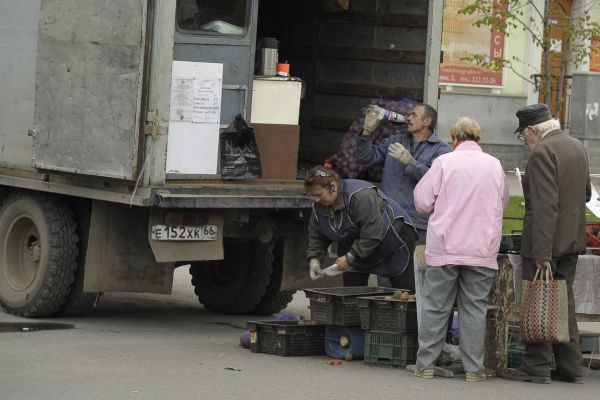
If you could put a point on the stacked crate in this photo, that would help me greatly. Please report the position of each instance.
(287, 338)
(337, 307)
(391, 326)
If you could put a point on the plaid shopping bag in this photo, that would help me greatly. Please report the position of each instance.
(544, 315)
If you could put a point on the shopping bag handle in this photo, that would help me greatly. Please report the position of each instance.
(545, 276)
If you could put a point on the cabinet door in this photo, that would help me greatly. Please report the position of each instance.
(220, 32)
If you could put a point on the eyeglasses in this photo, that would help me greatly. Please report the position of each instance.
(320, 174)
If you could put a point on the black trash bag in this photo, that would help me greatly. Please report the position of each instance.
(240, 159)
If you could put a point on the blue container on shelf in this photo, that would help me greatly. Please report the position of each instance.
(345, 342)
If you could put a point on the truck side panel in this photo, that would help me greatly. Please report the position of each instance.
(88, 86)
(18, 46)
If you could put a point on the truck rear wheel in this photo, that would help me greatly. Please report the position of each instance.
(78, 302)
(275, 300)
(236, 284)
(38, 254)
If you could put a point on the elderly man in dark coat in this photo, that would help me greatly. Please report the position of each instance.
(556, 187)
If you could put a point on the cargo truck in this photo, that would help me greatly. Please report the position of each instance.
(110, 116)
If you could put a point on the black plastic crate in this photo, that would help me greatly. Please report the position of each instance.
(386, 349)
(389, 315)
(337, 306)
(287, 338)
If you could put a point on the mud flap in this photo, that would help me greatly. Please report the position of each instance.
(119, 257)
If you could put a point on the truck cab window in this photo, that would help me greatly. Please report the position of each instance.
(226, 17)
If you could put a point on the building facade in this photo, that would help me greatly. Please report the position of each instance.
(492, 97)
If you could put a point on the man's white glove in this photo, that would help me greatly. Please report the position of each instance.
(400, 153)
(372, 120)
(314, 269)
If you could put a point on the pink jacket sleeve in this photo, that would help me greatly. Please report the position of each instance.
(428, 188)
(506, 195)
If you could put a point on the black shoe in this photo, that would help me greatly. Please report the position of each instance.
(557, 376)
(513, 374)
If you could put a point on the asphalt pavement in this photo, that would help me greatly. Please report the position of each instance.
(142, 346)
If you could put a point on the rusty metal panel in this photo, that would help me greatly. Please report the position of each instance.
(88, 85)
(167, 199)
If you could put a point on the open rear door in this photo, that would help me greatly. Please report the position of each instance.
(214, 45)
(88, 86)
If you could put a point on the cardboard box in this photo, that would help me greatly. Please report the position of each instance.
(278, 148)
(275, 100)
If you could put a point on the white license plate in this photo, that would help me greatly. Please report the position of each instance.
(189, 233)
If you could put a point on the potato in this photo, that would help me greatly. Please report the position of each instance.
(398, 295)
(344, 341)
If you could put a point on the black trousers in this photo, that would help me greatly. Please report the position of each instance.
(538, 356)
(405, 280)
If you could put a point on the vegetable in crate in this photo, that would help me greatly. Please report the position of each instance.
(401, 295)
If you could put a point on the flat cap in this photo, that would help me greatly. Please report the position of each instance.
(532, 115)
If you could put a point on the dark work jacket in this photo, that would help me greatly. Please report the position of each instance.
(556, 186)
(398, 181)
(391, 257)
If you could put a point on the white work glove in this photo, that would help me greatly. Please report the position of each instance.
(314, 269)
(372, 120)
(400, 153)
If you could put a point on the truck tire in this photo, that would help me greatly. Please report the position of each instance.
(275, 300)
(38, 254)
(78, 302)
(236, 284)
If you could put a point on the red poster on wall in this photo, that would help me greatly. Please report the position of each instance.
(461, 38)
(595, 57)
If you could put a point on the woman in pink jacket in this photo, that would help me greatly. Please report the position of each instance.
(465, 192)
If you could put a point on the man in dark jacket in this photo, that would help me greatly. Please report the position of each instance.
(405, 158)
(556, 187)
